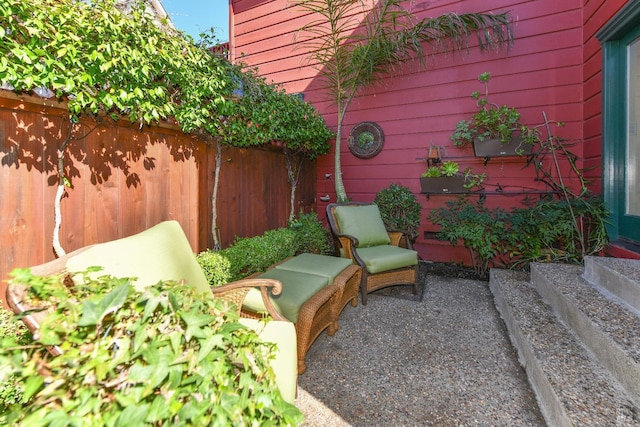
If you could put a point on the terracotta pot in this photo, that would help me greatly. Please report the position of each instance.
(496, 148)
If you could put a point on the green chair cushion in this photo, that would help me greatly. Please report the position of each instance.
(297, 288)
(322, 265)
(285, 365)
(379, 259)
(364, 223)
(161, 252)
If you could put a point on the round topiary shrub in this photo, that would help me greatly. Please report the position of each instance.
(216, 267)
(312, 236)
(400, 209)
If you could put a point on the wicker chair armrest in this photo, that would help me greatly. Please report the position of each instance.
(16, 297)
(236, 291)
(348, 243)
(397, 235)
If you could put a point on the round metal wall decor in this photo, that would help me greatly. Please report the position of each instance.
(366, 140)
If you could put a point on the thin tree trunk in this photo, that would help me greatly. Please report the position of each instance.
(214, 197)
(62, 183)
(341, 193)
(57, 219)
(293, 175)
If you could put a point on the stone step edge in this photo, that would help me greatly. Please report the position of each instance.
(571, 389)
(620, 277)
(607, 328)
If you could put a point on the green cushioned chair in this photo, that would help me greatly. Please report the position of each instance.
(362, 237)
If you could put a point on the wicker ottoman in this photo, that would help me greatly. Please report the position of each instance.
(315, 289)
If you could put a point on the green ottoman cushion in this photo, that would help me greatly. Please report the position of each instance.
(322, 265)
(386, 257)
(297, 288)
(161, 252)
(364, 223)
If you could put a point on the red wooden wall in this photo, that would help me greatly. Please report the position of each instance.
(553, 66)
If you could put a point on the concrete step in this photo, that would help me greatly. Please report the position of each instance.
(607, 327)
(620, 277)
(572, 388)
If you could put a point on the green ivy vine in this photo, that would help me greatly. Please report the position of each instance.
(106, 61)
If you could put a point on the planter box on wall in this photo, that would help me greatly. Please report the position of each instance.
(495, 147)
(443, 184)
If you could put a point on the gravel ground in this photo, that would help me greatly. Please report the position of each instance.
(442, 358)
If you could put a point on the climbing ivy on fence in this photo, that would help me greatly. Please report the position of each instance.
(104, 60)
(108, 60)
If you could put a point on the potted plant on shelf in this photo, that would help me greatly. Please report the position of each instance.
(447, 178)
(494, 130)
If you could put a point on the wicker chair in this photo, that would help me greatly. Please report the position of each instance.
(360, 234)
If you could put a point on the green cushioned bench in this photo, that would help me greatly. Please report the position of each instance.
(315, 289)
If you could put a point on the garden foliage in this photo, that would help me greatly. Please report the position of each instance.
(165, 356)
(248, 255)
(551, 230)
(104, 60)
(11, 388)
(399, 208)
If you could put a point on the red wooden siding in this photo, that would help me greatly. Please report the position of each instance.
(126, 180)
(553, 66)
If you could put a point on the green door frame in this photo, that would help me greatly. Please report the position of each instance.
(614, 36)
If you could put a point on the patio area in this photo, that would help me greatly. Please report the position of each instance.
(444, 359)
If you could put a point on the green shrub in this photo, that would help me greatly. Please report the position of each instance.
(249, 255)
(311, 235)
(165, 356)
(399, 208)
(550, 230)
(481, 229)
(11, 390)
(557, 231)
(216, 267)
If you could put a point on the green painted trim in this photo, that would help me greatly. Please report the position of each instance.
(613, 75)
(614, 112)
(622, 23)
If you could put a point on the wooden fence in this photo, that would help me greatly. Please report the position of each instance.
(125, 179)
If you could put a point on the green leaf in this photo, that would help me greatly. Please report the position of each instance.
(133, 415)
(32, 385)
(94, 312)
(208, 345)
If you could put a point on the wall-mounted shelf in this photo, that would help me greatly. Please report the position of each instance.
(485, 159)
(484, 193)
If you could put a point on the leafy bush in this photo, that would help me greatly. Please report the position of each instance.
(551, 230)
(480, 228)
(557, 231)
(11, 390)
(165, 356)
(216, 267)
(399, 208)
(311, 235)
(107, 59)
(249, 255)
